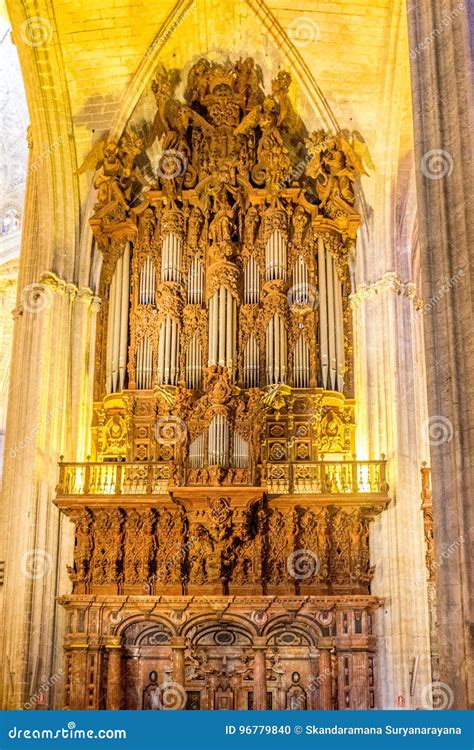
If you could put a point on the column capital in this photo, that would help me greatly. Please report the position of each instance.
(178, 642)
(113, 642)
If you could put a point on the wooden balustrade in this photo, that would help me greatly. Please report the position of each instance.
(322, 478)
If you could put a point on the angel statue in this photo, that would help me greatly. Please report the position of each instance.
(173, 119)
(273, 165)
(117, 178)
(335, 165)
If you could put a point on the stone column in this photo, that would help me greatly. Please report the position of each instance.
(259, 675)
(114, 675)
(325, 679)
(443, 127)
(178, 647)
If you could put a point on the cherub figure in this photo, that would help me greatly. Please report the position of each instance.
(334, 167)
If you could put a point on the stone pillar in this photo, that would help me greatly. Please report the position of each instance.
(178, 647)
(443, 127)
(325, 680)
(259, 676)
(114, 675)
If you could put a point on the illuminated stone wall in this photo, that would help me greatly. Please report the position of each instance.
(85, 69)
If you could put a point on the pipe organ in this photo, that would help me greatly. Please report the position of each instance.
(296, 302)
(224, 432)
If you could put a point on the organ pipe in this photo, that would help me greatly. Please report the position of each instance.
(193, 364)
(195, 283)
(144, 369)
(218, 441)
(300, 293)
(251, 282)
(171, 258)
(323, 320)
(251, 363)
(301, 363)
(196, 452)
(168, 352)
(276, 351)
(117, 328)
(240, 452)
(222, 329)
(339, 317)
(331, 320)
(124, 306)
(275, 257)
(147, 283)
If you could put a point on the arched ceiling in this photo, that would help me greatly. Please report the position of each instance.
(86, 64)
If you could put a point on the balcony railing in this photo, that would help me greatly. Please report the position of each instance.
(323, 478)
(328, 478)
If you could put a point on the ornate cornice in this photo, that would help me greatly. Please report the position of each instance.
(51, 283)
(390, 281)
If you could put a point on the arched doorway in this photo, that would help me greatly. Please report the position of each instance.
(293, 674)
(146, 665)
(219, 666)
(224, 667)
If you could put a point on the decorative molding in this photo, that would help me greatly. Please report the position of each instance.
(390, 281)
(55, 284)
